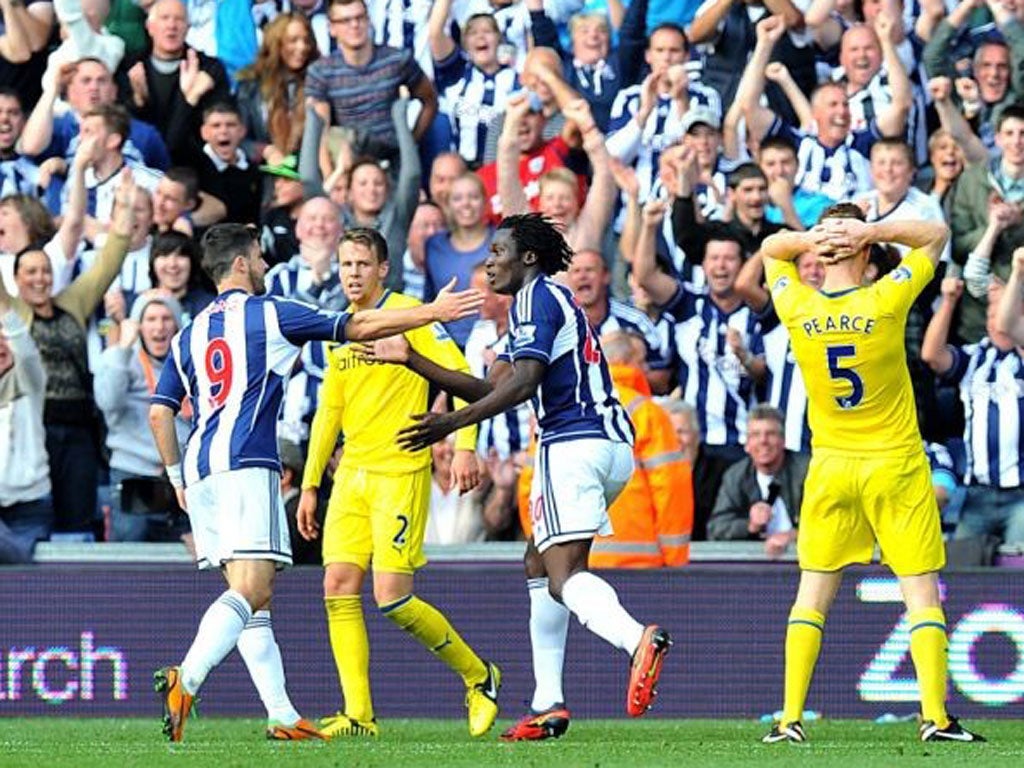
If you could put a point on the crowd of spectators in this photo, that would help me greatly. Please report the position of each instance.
(667, 137)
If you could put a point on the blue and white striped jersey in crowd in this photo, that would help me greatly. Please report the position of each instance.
(509, 432)
(785, 382)
(642, 148)
(294, 280)
(915, 206)
(513, 20)
(576, 398)
(839, 172)
(233, 362)
(472, 100)
(620, 316)
(992, 391)
(100, 193)
(414, 278)
(19, 176)
(302, 394)
(403, 24)
(875, 97)
(712, 378)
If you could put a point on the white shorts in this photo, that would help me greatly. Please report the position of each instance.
(239, 515)
(574, 483)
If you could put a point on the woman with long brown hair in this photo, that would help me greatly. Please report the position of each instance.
(270, 92)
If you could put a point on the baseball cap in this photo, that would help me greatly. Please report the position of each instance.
(288, 167)
(700, 116)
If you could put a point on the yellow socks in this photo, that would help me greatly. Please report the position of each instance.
(428, 625)
(351, 649)
(928, 649)
(803, 642)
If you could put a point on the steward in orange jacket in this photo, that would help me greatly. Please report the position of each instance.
(653, 516)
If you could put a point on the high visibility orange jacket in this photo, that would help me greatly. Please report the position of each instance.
(653, 516)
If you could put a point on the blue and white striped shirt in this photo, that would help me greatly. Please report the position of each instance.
(576, 398)
(712, 378)
(839, 172)
(624, 317)
(992, 391)
(786, 384)
(472, 101)
(233, 361)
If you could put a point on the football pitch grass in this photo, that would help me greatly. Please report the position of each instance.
(230, 743)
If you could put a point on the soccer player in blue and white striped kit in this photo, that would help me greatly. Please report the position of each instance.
(233, 363)
(584, 459)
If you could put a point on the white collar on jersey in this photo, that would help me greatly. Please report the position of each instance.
(241, 161)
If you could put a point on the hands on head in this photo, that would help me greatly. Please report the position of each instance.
(836, 240)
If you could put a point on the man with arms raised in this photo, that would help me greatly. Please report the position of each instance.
(869, 481)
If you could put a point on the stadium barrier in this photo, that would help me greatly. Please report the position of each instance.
(82, 639)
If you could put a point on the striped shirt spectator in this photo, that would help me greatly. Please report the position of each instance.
(361, 96)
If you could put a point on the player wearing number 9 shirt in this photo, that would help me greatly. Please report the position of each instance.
(233, 362)
(869, 479)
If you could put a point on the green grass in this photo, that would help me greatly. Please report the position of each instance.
(222, 743)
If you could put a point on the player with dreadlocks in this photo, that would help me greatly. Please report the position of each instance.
(584, 459)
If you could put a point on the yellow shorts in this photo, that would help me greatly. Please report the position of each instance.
(851, 503)
(377, 517)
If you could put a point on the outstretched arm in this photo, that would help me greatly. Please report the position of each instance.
(935, 352)
(513, 390)
(893, 120)
(377, 323)
(751, 86)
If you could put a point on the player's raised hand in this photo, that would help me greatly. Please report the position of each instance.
(845, 238)
(654, 212)
(393, 349)
(305, 515)
(777, 72)
(952, 288)
(452, 305)
(770, 29)
(940, 88)
(428, 429)
(465, 471)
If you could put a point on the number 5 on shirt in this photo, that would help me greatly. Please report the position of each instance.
(837, 371)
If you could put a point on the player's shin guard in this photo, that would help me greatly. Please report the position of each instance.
(928, 649)
(258, 649)
(218, 633)
(434, 632)
(597, 607)
(351, 649)
(549, 624)
(803, 643)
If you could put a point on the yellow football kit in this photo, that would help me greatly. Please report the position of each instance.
(381, 496)
(869, 479)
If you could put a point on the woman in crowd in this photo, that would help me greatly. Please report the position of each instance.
(58, 327)
(373, 201)
(270, 92)
(466, 243)
(174, 268)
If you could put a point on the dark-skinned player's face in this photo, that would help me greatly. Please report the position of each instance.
(505, 267)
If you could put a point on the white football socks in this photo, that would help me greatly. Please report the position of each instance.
(597, 607)
(549, 625)
(218, 633)
(261, 654)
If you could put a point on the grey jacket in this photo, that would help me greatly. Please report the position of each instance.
(123, 395)
(739, 490)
